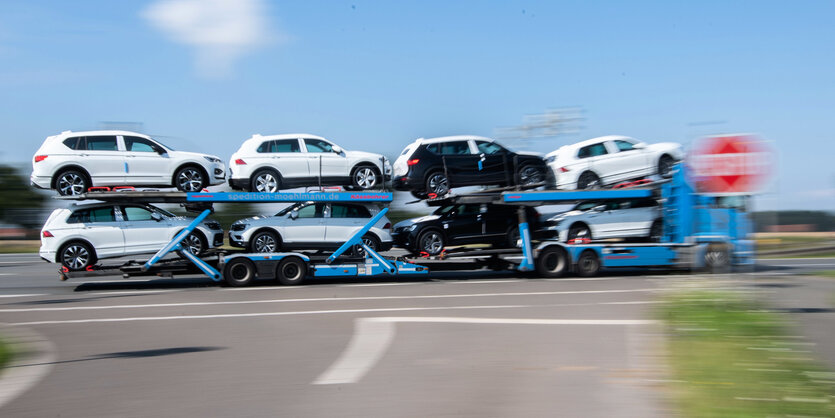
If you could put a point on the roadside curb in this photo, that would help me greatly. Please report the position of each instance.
(33, 359)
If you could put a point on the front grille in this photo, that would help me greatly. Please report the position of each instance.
(218, 241)
(237, 227)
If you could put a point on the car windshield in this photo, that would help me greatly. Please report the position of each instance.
(162, 211)
(443, 210)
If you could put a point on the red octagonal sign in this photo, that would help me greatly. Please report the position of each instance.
(730, 164)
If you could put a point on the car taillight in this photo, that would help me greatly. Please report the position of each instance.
(387, 225)
(240, 162)
(563, 170)
(47, 234)
(412, 162)
(39, 158)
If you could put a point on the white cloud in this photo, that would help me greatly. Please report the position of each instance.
(220, 31)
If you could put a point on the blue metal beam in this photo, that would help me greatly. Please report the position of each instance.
(574, 195)
(255, 197)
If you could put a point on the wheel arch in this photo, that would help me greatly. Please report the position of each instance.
(69, 241)
(68, 167)
(189, 164)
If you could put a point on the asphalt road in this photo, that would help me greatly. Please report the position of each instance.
(456, 344)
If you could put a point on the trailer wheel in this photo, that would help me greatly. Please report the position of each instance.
(291, 271)
(239, 272)
(552, 262)
(588, 264)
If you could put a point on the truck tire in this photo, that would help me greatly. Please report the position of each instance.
(291, 271)
(239, 272)
(552, 262)
(588, 264)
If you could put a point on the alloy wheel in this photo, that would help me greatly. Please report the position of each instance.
(190, 180)
(266, 182)
(432, 243)
(438, 184)
(75, 257)
(70, 184)
(365, 178)
(264, 243)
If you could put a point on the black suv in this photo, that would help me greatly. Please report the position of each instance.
(461, 224)
(434, 166)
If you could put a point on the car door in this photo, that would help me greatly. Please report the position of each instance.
(604, 161)
(345, 220)
(101, 227)
(628, 161)
(142, 232)
(146, 162)
(323, 161)
(286, 155)
(463, 224)
(103, 158)
(496, 163)
(460, 161)
(593, 157)
(307, 226)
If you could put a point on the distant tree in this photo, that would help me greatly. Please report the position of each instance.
(19, 203)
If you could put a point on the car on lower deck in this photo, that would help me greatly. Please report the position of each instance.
(462, 224)
(310, 226)
(80, 235)
(434, 166)
(594, 220)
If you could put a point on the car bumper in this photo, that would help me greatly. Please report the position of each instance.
(48, 256)
(236, 240)
(402, 239)
(40, 182)
(238, 184)
(402, 183)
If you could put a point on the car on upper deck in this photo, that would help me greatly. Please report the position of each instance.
(431, 167)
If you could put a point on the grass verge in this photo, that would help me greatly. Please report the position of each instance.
(731, 358)
(5, 353)
(824, 273)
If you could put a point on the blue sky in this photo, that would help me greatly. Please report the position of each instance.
(376, 75)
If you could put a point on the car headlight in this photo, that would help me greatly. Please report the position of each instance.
(411, 227)
(211, 159)
(550, 159)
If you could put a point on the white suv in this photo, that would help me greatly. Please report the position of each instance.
(608, 160)
(270, 163)
(633, 218)
(310, 225)
(78, 236)
(71, 162)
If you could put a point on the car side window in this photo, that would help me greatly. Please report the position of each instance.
(286, 145)
(103, 214)
(135, 213)
(593, 150)
(455, 148)
(488, 148)
(101, 143)
(436, 148)
(468, 210)
(349, 211)
(265, 146)
(136, 144)
(312, 211)
(624, 145)
(72, 143)
(317, 145)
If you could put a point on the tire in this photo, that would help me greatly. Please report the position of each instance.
(512, 236)
(656, 231)
(239, 272)
(71, 182)
(76, 255)
(264, 242)
(291, 271)
(265, 181)
(431, 241)
(665, 166)
(365, 177)
(717, 258)
(190, 179)
(552, 262)
(588, 180)
(578, 231)
(369, 240)
(529, 175)
(588, 264)
(437, 183)
(194, 243)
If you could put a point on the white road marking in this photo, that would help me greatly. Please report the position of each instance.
(131, 292)
(802, 265)
(487, 281)
(372, 337)
(252, 302)
(25, 295)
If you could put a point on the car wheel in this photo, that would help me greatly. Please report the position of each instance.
(437, 183)
(190, 179)
(431, 242)
(588, 264)
(265, 181)
(291, 271)
(194, 243)
(239, 272)
(588, 180)
(552, 262)
(529, 175)
(365, 178)
(371, 241)
(76, 255)
(264, 242)
(512, 236)
(665, 166)
(578, 231)
(71, 182)
(656, 231)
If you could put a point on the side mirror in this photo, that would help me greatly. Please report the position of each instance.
(639, 145)
(599, 208)
(156, 216)
(337, 149)
(294, 214)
